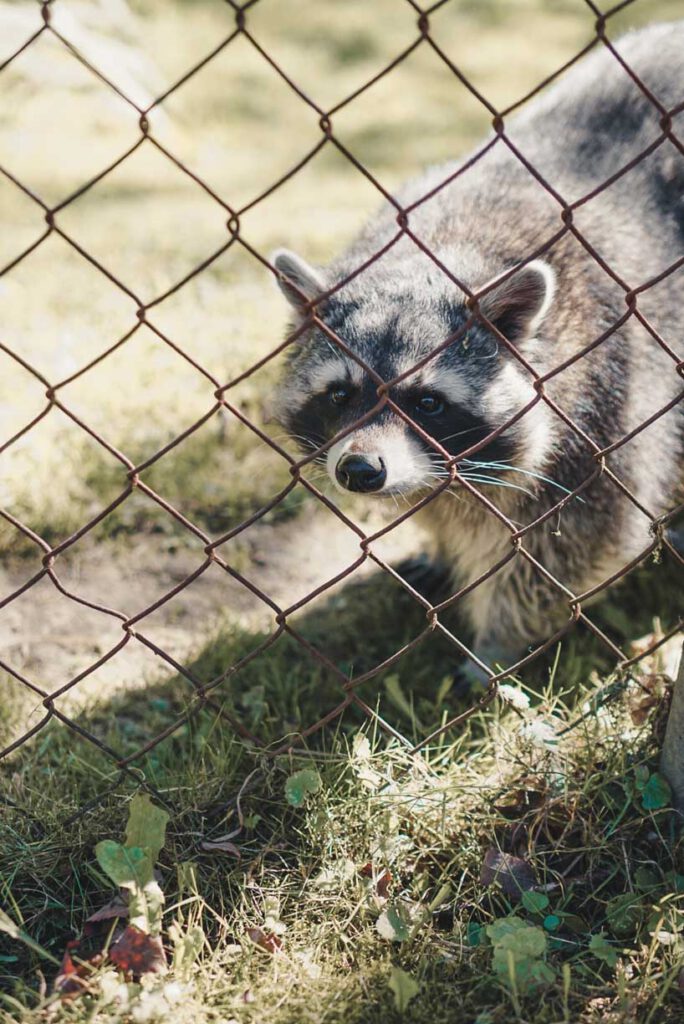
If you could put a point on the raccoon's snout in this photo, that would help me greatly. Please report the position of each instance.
(365, 473)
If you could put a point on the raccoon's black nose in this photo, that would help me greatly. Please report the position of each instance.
(361, 472)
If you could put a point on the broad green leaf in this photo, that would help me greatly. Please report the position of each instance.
(645, 879)
(300, 785)
(641, 774)
(529, 942)
(476, 934)
(551, 922)
(500, 930)
(146, 826)
(127, 866)
(656, 793)
(131, 866)
(393, 925)
(624, 914)
(520, 936)
(675, 881)
(535, 902)
(526, 972)
(405, 988)
(601, 947)
(540, 973)
(519, 949)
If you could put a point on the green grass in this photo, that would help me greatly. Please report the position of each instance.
(427, 818)
(572, 810)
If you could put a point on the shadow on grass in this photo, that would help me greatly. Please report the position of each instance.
(285, 690)
(47, 873)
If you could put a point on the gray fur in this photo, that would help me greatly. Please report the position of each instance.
(489, 220)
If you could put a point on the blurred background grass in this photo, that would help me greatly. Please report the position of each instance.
(239, 127)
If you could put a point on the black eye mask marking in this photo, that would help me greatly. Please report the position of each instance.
(325, 414)
(453, 426)
(456, 428)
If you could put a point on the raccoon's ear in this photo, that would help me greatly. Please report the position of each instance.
(518, 306)
(298, 281)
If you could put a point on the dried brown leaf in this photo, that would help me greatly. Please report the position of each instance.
(72, 979)
(513, 874)
(383, 881)
(265, 940)
(138, 953)
(132, 951)
(652, 691)
(115, 908)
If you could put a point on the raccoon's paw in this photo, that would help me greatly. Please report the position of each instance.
(470, 677)
(475, 677)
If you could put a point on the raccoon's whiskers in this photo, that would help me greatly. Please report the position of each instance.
(459, 433)
(497, 483)
(504, 466)
(318, 476)
(307, 441)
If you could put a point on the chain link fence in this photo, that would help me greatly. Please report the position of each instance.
(207, 695)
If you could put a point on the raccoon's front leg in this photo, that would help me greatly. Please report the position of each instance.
(509, 611)
(432, 579)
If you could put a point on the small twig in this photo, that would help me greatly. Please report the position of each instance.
(238, 808)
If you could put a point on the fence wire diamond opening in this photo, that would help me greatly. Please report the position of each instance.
(215, 554)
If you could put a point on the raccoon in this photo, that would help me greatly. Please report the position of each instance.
(494, 276)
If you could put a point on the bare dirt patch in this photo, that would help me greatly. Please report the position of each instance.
(50, 639)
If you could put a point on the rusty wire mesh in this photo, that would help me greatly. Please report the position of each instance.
(204, 694)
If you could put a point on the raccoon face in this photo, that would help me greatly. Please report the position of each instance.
(457, 399)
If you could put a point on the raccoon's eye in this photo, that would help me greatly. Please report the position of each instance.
(429, 405)
(338, 394)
